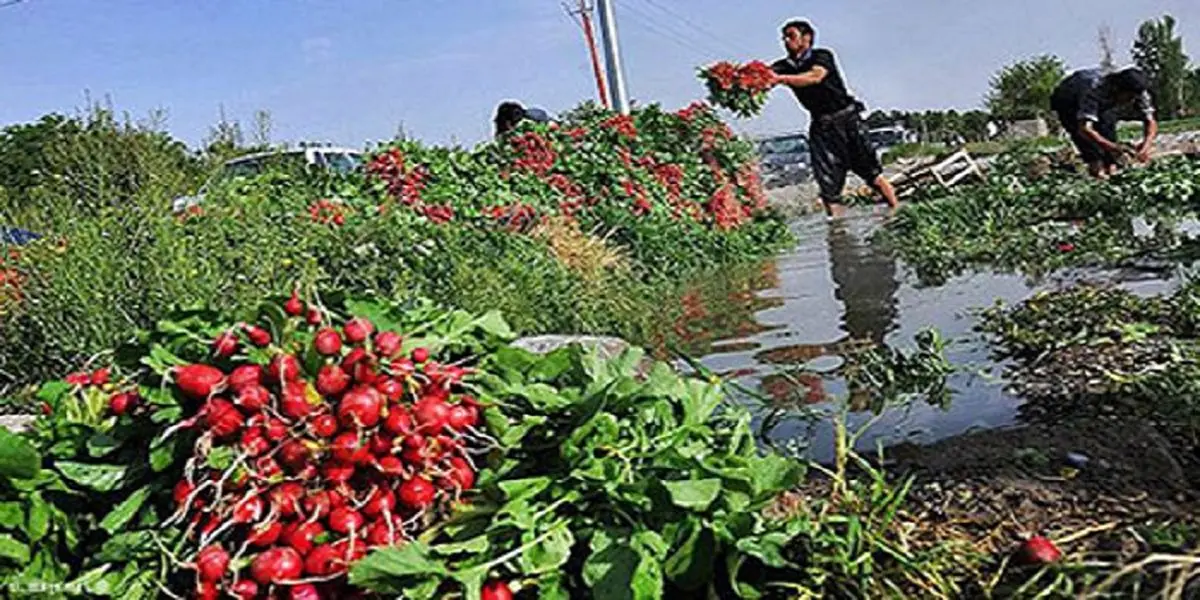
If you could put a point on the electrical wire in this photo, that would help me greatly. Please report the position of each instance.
(650, 23)
(704, 32)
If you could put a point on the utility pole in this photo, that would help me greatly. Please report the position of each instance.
(612, 55)
(584, 10)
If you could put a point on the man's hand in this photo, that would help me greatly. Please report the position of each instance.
(774, 80)
(1143, 152)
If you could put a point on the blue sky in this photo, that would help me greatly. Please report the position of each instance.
(352, 71)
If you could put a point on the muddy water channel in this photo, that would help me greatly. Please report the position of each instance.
(784, 327)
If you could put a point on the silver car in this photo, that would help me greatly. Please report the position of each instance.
(340, 160)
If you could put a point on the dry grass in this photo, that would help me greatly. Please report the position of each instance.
(589, 255)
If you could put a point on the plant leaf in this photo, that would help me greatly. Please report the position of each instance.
(549, 554)
(125, 511)
(18, 457)
(379, 570)
(39, 518)
(13, 549)
(693, 494)
(99, 477)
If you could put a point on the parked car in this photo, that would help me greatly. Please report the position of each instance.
(886, 138)
(12, 236)
(340, 160)
(785, 159)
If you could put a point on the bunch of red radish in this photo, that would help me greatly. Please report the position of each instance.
(365, 452)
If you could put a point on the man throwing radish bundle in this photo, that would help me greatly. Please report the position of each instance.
(837, 134)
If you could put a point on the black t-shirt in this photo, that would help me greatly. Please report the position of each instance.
(826, 97)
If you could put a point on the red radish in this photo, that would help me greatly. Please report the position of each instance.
(285, 498)
(420, 355)
(302, 535)
(207, 590)
(308, 472)
(398, 422)
(264, 534)
(249, 509)
(317, 505)
(379, 534)
(258, 336)
(380, 501)
(390, 465)
(381, 444)
(47, 409)
(253, 443)
(294, 403)
(267, 467)
(276, 430)
(328, 342)
(1039, 550)
(245, 376)
(347, 556)
(337, 472)
(324, 560)
(79, 379)
(461, 418)
(313, 317)
(387, 344)
(357, 330)
(283, 367)
(253, 397)
(222, 418)
(294, 454)
(99, 377)
(364, 372)
(294, 307)
(462, 476)
(183, 490)
(431, 415)
(276, 566)
(345, 519)
(212, 562)
(496, 590)
(416, 493)
(198, 382)
(332, 380)
(348, 448)
(360, 407)
(324, 426)
(339, 495)
(225, 345)
(402, 368)
(304, 591)
(244, 589)
(119, 404)
(354, 357)
(392, 389)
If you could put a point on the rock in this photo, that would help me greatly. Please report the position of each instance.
(1078, 460)
(17, 423)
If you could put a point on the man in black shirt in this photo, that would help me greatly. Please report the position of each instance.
(1089, 105)
(837, 134)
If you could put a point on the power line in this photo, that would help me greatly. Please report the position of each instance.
(704, 32)
(650, 23)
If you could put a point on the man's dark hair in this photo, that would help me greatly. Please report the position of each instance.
(508, 114)
(804, 27)
(1131, 80)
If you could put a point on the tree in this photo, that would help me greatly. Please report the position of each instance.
(1023, 89)
(1159, 52)
(879, 119)
(1193, 92)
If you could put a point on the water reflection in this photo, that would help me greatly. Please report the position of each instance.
(864, 277)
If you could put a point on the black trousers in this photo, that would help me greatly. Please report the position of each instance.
(839, 144)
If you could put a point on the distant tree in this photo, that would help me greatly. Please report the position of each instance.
(1193, 92)
(1159, 52)
(23, 151)
(1022, 90)
(879, 119)
(261, 136)
(974, 125)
